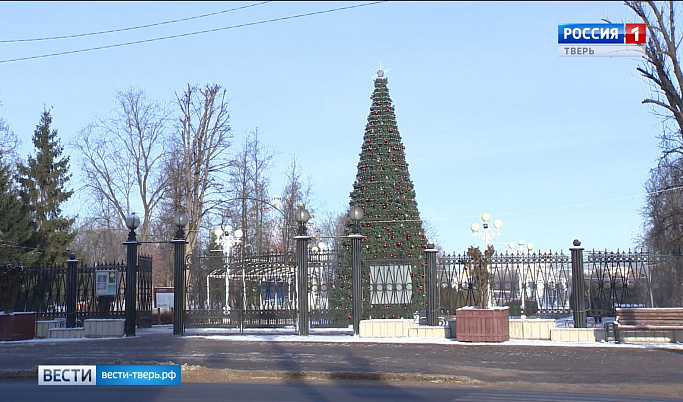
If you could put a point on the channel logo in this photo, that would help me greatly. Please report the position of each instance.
(602, 34)
(601, 39)
(109, 375)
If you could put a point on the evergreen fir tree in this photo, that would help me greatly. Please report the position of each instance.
(391, 226)
(42, 187)
(15, 226)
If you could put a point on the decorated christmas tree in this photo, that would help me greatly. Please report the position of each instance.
(391, 226)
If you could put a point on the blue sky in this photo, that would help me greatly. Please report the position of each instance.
(492, 119)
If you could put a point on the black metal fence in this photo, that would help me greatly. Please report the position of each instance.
(43, 290)
(544, 282)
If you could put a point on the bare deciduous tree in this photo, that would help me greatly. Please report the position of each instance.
(249, 205)
(663, 212)
(662, 66)
(203, 136)
(296, 192)
(8, 143)
(121, 157)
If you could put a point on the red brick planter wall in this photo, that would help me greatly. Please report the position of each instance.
(17, 326)
(482, 325)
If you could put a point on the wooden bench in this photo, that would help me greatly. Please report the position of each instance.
(648, 319)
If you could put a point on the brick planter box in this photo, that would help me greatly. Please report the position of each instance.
(17, 326)
(482, 325)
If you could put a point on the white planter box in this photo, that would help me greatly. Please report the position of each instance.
(429, 332)
(104, 328)
(65, 333)
(391, 328)
(43, 326)
(578, 334)
(532, 328)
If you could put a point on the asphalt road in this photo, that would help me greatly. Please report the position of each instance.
(599, 370)
(290, 391)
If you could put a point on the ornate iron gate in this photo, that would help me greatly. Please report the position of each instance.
(254, 291)
(259, 291)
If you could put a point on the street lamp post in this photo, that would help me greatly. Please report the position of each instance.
(180, 219)
(302, 216)
(132, 222)
(356, 214)
(227, 239)
(487, 234)
(519, 247)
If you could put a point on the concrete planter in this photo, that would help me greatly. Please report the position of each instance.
(101, 328)
(482, 325)
(385, 328)
(533, 328)
(17, 326)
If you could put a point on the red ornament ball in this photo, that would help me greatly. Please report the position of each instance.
(385, 140)
(391, 255)
(387, 228)
(408, 235)
(391, 130)
(398, 243)
(393, 236)
(386, 245)
(384, 206)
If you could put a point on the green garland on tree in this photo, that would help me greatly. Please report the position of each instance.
(391, 226)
